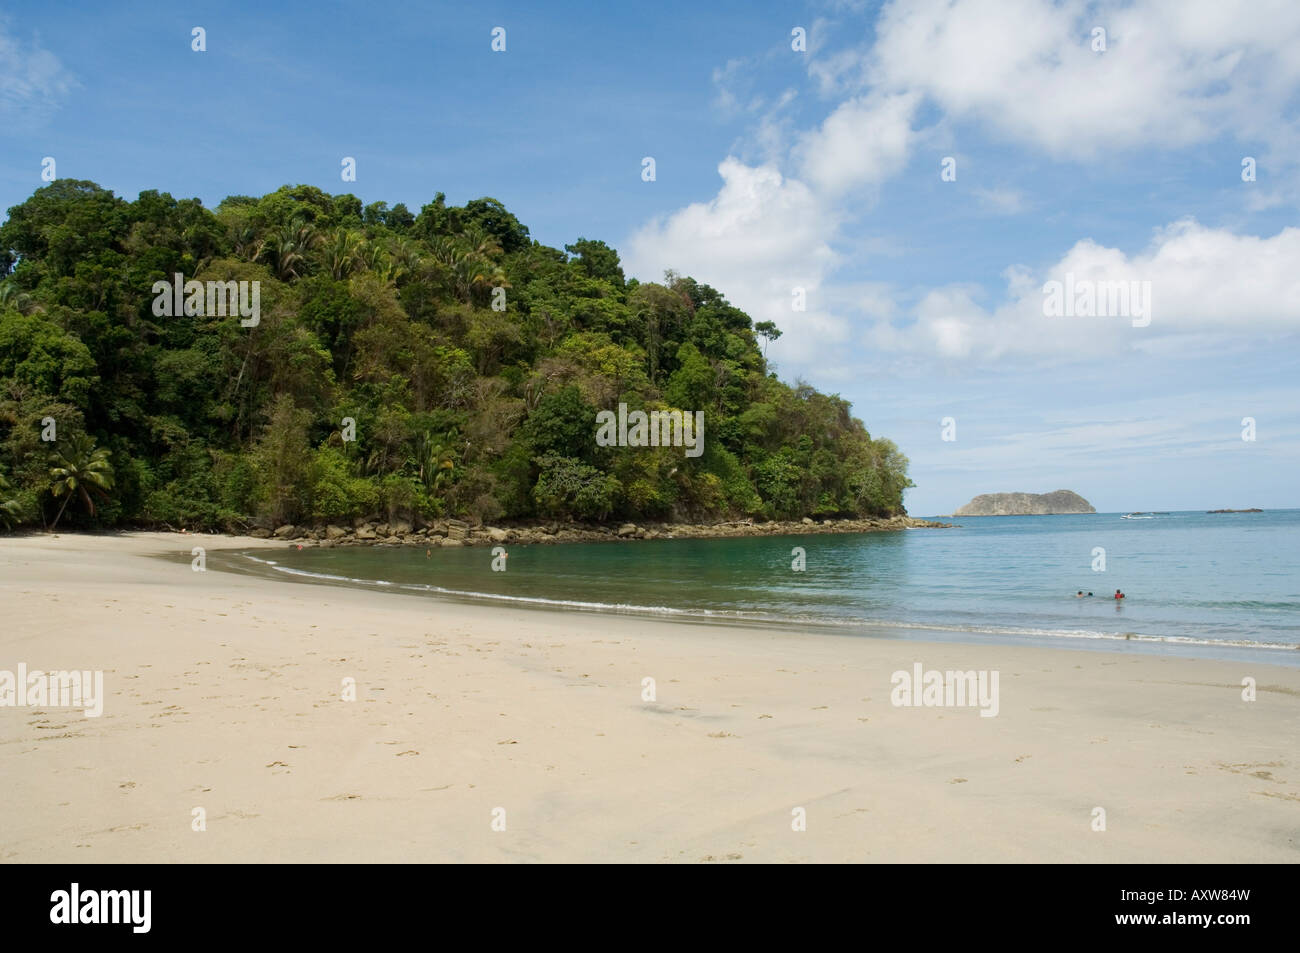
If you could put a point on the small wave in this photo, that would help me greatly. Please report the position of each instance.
(739, 615)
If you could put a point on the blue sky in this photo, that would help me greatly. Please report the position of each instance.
(779, 169)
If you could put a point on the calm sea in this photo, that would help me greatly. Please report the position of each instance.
(1221, 585)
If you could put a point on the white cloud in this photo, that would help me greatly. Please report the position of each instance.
(1000, 200)
(762, 236)
(1174, 72)
(862, 143)
(1207, 284)
(32, 80)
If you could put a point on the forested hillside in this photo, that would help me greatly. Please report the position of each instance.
(465, 400)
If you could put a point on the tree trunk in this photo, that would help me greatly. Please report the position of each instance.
(59, 515)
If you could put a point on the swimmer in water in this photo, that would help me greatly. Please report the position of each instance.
(1118, 595)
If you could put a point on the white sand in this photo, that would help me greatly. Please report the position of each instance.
(223, 692)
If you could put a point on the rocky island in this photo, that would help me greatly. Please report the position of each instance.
(1026, 504)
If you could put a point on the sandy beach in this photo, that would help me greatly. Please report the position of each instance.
(224, 692)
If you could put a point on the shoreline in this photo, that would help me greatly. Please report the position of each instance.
(451, 532)
(1168, 646)
(223, 693)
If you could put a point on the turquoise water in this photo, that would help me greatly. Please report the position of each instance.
(1194, 581)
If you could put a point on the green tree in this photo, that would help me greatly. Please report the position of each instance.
(80, 470)
(563, 425)
(371, 313)
(570, 488)
(10, 508)
(597, 260)
(283, 462)
(435, 458)
(768, 331)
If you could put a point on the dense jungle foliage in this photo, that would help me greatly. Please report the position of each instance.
(471, 359)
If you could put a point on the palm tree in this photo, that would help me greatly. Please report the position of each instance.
(244, 243)
(468, 257)
(435, 460)
(341, 253)
(79, 470)
(375, 258)
(474, 274)
(479, 243)
(10, 511)
(287, 248)
(405, 255)
(20, 301)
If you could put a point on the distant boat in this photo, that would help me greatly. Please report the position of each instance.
(1137, 516)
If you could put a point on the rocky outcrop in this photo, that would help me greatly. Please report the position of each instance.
(1026, 504)
(454, 533)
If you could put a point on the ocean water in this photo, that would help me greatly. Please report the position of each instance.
(1219, 585)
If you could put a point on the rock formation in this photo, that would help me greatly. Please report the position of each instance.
(1026, 504)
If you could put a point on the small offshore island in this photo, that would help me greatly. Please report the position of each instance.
(1058, 502)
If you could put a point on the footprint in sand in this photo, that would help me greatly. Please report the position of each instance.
(1246, 768)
